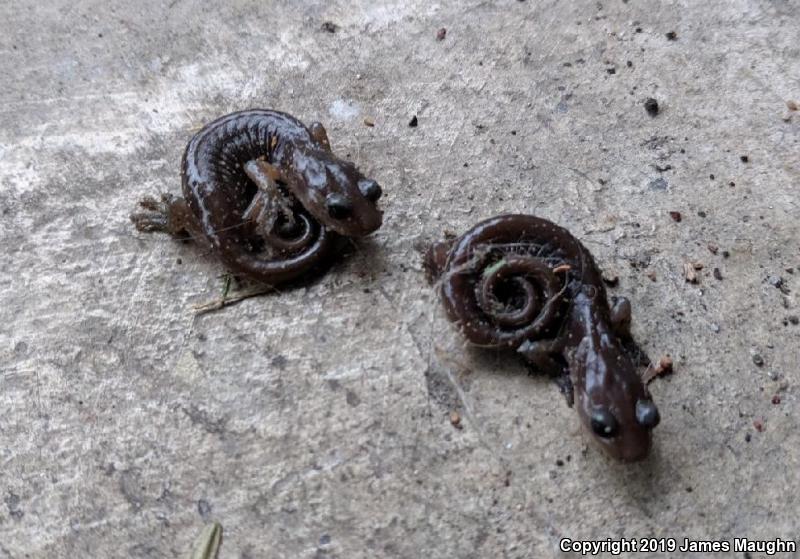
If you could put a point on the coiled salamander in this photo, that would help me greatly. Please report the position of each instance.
(267, 194)
(524, 283)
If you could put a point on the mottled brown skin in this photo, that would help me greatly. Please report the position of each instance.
(524, 283)
(268, 196)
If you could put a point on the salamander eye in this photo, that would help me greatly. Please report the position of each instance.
(370, 189)
(647, 413)
(338, 206)
(604, 424)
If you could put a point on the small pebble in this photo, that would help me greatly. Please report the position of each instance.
(651, 106)
(664, 367)
(792, 105)
(713, 248)
(717, 274)
(676, 216)
(776, 399)
(559, 462)
(672, 36)
(775, 281)
(747, 437)
(413, 122)
(794, 319)
(744, 158)
(441, 34)
(330, 27)
(369, 122)
(758, 361)
(455, 419)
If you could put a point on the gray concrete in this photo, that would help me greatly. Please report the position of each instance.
(315, 423)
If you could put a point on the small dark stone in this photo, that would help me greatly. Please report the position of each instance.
(676, 216)
(711, 177)
(744, 159)
(559, 462)
(611, 71)
(725, 254)
(731, 183)
(775, 281)
(441, 34)
(659, 184)
(203, 508)
(330, 27)
(747, 437)
(413, 122)
(629, 64)
(758, 360)
(717, 274)
(672, 36)
(794, 319)
(701, 213)
(638, 30)
(651, 106)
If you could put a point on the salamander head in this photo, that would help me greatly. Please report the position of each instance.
(336, 193)
(615, 406)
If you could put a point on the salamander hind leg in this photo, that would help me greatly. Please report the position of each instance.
(170, 215)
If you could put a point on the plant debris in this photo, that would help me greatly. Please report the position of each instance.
(206, 546)
(689, 272)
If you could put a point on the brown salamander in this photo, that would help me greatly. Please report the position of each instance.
(524, 283)
(267, 194)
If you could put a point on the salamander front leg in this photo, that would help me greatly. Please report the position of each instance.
(545, 356)
(320, 135)
(621, 317)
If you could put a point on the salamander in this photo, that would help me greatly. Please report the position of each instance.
(267, 194)
(527, 284)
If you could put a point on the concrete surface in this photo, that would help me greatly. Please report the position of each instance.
(315, 423)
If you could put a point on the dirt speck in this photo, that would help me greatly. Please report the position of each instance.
(651, 106)
(441, 34)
